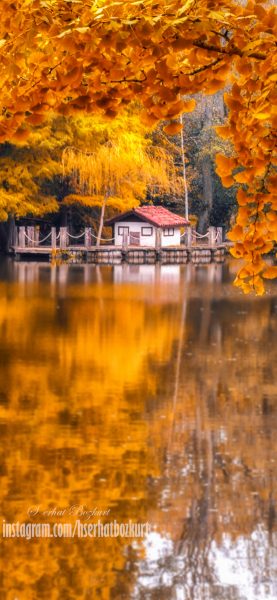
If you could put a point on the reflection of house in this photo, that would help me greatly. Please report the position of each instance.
(147, 226)
(147, 274)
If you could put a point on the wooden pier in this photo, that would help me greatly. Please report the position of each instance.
(62, 246)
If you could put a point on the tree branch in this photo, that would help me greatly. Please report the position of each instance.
(230, 52)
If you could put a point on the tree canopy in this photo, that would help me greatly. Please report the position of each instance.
(97, 57)
(119, 164)
(80, 160)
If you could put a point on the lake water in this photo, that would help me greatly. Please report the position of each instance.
(149, 393)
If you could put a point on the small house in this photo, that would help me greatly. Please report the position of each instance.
(147, 226)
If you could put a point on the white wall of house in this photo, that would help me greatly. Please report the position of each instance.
(146, 231)
(169, 236)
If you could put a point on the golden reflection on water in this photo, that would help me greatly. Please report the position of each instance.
(149, 391)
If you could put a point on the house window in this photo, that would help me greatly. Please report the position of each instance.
(122, 230)
(169, 231)
(147, 231)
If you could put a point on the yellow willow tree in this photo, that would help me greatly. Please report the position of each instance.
(98, 57)
(121, 168)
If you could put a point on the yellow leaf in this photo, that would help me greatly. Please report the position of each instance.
(181, 44)
(188, 106)
(71, 76)
(148, 119)
(243, 216)
(36, 119)
(262, 116)
(167, 94)
(175, 109)
(270, 273)
(227, 181)
(225, 163)
(242, 198)
(243, 273)
(173, 128)
(244, 176)
(237, 251)
(214, 85)
(21, 134)
(236, 234)
(258, 285)
(224, 132)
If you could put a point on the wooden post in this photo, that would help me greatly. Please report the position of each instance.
(22, 236)
(63, 237)
(188, 236)
(16, 236)
(53, 238)
(212, 236)
(31, 236)
(158, 241)
(219, 235)
(36, 235)
(88, 237)
(124, 239)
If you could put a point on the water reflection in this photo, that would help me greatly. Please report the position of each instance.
(149, 391)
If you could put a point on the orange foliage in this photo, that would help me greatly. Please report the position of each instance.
(97, 57)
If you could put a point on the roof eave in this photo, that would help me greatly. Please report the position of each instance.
(146, 219)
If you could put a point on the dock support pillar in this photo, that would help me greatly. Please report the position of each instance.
(30, 241)
(53, 238)
(15, 241)
(125, 240)
(188, 237)
(36, 235)
(63, 237)
(158, 241)
(219, 235)
(88, 237)
(21, 236)
(212, 236)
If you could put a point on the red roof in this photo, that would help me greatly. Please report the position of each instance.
(156, 215)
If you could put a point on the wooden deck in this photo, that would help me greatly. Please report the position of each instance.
(55, 246)
(131, 254)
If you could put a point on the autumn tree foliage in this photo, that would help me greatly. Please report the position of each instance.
(28, 167)
(80, 164)
(96, 57)
(119, 167)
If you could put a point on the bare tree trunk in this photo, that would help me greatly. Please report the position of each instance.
(7, 233)
(207, 194)
(101, 223)
(208, 105)
(11, 231)
(63, 215)
(184, 170)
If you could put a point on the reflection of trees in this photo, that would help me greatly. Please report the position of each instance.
(143, 399)
(218, 470)
(75, 371)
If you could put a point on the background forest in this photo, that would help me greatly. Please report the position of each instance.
(63, 172)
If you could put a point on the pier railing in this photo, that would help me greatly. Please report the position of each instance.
(33, 237)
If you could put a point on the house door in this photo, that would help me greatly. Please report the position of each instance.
(134, 238)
